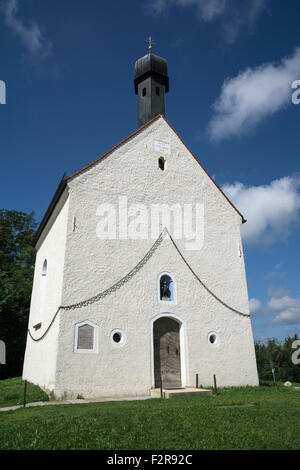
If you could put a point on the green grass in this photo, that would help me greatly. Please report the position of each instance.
(12, 392)
(179, 423)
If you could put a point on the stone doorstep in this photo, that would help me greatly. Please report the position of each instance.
(180, 392)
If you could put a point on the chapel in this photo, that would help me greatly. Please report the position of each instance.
(140, 277)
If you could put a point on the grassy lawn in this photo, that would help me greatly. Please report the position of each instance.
(179, 423)
(12, 392)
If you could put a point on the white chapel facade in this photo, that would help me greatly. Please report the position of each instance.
(119, 305)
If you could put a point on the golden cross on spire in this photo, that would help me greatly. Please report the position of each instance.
(150, 41)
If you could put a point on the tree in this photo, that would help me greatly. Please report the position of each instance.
(281, 354)
(17, 257)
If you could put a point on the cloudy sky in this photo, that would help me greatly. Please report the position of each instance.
(234, 67)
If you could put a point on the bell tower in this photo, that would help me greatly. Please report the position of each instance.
(151, 83)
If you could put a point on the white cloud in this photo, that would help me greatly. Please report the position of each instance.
(252, 96)
(245, 16)
(276, 273)
(278, 293)
(235, 15)
(30, 35)
(208, 9)
(271, 210)
(256, 7)
(281, 307)
(285, 309)
(255, 305)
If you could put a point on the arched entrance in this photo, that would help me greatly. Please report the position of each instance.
(167, 362)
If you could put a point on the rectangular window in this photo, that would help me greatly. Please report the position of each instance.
(86, 338)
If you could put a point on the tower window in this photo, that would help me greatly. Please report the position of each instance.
(166, 288)
(157, 91)
(162, 163)
(144, 91)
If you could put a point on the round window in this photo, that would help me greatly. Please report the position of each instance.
(117, 338)
(213, 338)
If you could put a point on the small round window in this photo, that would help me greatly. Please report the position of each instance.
(117, 338)
(213, 338)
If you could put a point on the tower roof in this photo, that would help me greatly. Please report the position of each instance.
(151, 64)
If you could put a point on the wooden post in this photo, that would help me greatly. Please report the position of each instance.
(215, 385)
(25, 391)
(273, 372)
(197, 380)
(161, 388)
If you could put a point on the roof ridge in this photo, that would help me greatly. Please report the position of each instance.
(65, 179)
(114, 147)
(136, 132)
(204, 169)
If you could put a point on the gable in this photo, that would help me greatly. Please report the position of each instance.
(133, 136)
(124, 147)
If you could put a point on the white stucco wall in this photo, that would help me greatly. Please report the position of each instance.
(92, 265)
(40, 357)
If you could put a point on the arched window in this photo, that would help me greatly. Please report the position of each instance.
(42, 291)
(166, 288)
(44, 270)
(86, 338)
(144, 91)
(162, 163)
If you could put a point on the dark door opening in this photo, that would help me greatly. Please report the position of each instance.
(167, 353)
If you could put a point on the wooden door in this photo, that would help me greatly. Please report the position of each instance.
(167, 353)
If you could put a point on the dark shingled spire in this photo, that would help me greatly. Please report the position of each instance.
(151, 82)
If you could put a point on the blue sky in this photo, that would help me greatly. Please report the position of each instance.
(68, 69)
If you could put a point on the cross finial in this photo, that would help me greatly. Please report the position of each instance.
(150, 41)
